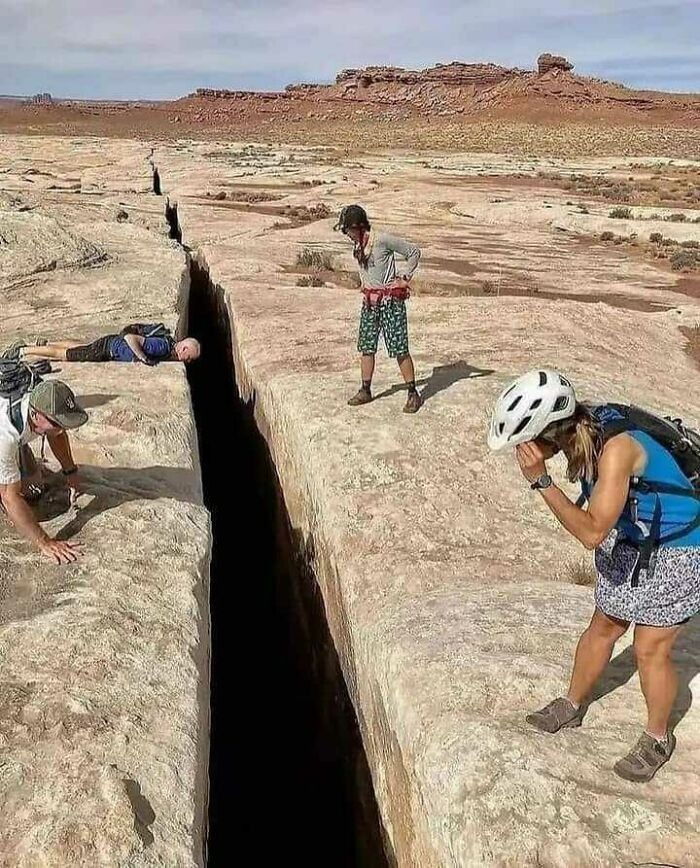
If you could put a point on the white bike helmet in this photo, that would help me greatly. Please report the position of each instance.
(528, 406)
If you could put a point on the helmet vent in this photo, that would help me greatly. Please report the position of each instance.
(536, 403)
(561, 403)
(514, 404)
(543, 378)
(523, 424)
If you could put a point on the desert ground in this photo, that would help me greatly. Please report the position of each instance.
(453, 599)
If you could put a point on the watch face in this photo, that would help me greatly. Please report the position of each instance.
(544, 481)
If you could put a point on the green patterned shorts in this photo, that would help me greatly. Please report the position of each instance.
(388, 318)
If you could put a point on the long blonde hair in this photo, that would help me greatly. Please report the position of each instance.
(580, 438)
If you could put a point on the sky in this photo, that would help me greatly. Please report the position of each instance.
(160, 49)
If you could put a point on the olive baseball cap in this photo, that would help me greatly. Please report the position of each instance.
(57, 402)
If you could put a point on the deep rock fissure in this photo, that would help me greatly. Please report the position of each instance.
(289, 779)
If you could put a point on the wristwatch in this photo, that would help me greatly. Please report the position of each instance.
(542, 482)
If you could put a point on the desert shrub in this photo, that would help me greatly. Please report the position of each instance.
(621, 213)
(583, 209)
(607, 236)
(684, 260)
(310, 280)
(669, 242)
(319, 260)
(620, 192)
(581, 572)
(676, 218)
(656, 238)
(692, 245)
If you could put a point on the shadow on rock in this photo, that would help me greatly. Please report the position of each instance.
(442, 377)
(112, 486)
(686, 655)
(96, 400)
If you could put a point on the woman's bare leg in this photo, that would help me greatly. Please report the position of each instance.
(593, 654)
(657, 674)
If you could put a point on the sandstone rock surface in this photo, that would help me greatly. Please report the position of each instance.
(448, 590)
(103, 696)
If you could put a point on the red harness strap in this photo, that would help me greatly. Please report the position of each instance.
(374, 295)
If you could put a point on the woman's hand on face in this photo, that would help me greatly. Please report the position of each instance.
(531, 460)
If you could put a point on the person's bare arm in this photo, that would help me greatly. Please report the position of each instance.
(135, 344)
(592, 525)
(24, 520)
(60, 446)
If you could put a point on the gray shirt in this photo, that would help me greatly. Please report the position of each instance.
(381, 265)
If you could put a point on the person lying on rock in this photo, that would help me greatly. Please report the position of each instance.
(139, 342)
(642, 517)
(384, 300)
(50, 410)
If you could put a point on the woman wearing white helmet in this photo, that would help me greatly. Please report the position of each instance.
(643, 520)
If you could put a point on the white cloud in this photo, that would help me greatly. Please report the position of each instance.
(165, 43)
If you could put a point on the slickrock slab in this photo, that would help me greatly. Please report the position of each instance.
(447, 584)
(104, 688)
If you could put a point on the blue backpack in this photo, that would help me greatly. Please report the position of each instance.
(683, 445)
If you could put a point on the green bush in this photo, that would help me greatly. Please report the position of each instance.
(684, 260)
(656, 238)
(621, 213)
(607, 236)
(318, 260)
(676, 218)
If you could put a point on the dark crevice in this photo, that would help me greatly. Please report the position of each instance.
(156, 181)
(174, 232)
(289, 779)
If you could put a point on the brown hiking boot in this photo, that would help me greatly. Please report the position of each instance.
(413, 403)
(558, 714)
(646, 758)
(363, 396)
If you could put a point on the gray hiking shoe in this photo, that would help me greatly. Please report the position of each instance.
(363, 396)
(646, 758)
(413, 403)
(14, 350)
(558, 714)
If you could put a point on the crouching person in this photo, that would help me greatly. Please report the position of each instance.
(638, 474)
(49, 410)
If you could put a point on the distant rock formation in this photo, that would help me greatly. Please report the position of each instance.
(41, 99)
(546, 62)
(444, 90)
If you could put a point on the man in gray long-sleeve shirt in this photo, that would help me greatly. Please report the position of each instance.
(384, 303)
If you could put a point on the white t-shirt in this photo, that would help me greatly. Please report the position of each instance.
(10, 441)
